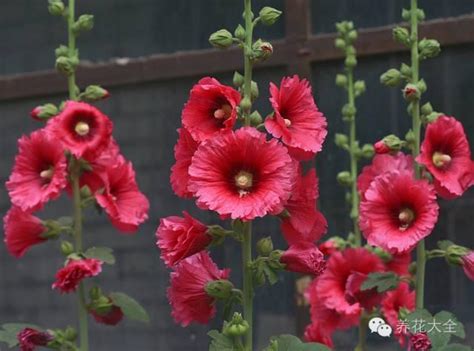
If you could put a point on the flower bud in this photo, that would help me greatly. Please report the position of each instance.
(393, 143)
(411, 92)
(406, 14)
(348, 111)
(402, 36)
(254, 92)
(83, 24)
(367, 151)
(61, 50)
(237, 326)
(341, 80)
(381, 148)
(221, 39)
(238, 79)
(391, 78)
(263, 50)
(269, 15)
(468, 264)
(66, 65)
(219, 289)
(305, 258)
(420, 14)
(94, 93)
(265, 246)
(344, 178)
(56, 7)
(352, 36)
(341, 140)
(359, 87)
(406, 71)
(239, 32)
(245, 104)
(70, 334)
(44, 112)
(421, 85)
(256, 118)
(426, 109)
(67, 248)
(428, 48)
(351, 61)
(340, 43)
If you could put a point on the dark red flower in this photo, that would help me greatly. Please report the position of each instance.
(304, 257)
(446, 154)
(183, 154)
(69, 277)
(82, 129)
(39, 173)
(305, 222)
(328, 247)
(187, 294)
(112, 317)
(211, 107)
(297, 120)
(420, 342)
(399, 263)
(181, 237)
(229, 176)
(29, 338)
(22, 231)
(468, 264)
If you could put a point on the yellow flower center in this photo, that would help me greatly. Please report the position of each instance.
(287, 122)
(224, 112)
(82, 128)
(440, 160)
(406, 217)
(243, 181)
(47, 173)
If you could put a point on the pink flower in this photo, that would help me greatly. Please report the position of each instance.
(211, 107)
(316, 332)
(29, 338)
(328, 247)
(39, 173)
(420, 342)
(183, 153)
(229, 176)
(304, 258)
(187, 295)
(381, 148)
(393, 302)
(445, 153)
(112, 317)
(468, 264)
(22, 231)
(399, 264)
(380, 165)
(181, 237)
(297, 120)
(305, 222)
(82, 129)
(398, 211)
(69, 277)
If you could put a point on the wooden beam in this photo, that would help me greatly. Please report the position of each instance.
(317, 48)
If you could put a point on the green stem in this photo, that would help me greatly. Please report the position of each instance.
(363, 326)
(71, 79)
(248, 283)
(247, 56)
(415, 65)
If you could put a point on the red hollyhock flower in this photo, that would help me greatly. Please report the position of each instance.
(181, 237)
(22, 231)
(339, 286)
(304, 258)
(399, 264)
(398, 211)
(183, 153)
(468, 265)
(82, 129)
(39, 173)
(29, 338)
(420, 342)
(382, 164)
(241, 174)
(393, 302)
(297, 120)
(69, 277)
(445, 153)
(211, 107)
(305, 221)
(317, 333)
(113, 317)
(187, 295)
(328, 247)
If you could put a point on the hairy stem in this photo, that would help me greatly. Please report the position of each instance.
(363, 326)
(248, 283)
(72, 48)
(248, 62)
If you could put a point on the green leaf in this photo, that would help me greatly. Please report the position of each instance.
(220, 342)
(10, 331)
(130, 307)
(383, 281)
(444, 244)
(292, 343)
(455, 347)
(101, 253)
(272, 276)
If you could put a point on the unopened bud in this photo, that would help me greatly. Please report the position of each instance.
(352, 35)
(426, 109)
(341, 140)
(406, 71)
(351, 61)
(263, 50)
(367, 151)
(254, 92)
(256, 118)
(269, 15)
(344, 178)
(56, 7)
(406, 14)
(239, 32)
(67, 248)
(391, 143)
(421, 85)
(238, 79)
(402, 36)
(391, 78)
(245, 104)
(237, 326)
(411, 92)
(221, 39)
(428, 48)
(94, 93)
(66, 65)
(44, 112)
(265, 246)
(340, 43)
(61, 50)
(341, 80)
(83, 24)
(348, 111)
(359, 87)
(219, 289)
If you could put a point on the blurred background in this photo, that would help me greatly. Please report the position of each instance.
(148, 54)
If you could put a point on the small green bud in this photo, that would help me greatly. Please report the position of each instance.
(411, 92)
(85, 192)
(56, 7)
(95, 293)
(352, 36)
(254, 90)
(84, 23)
(219, 289)
(359, 87)
(349, 111)
(410, 137)
(256, 118)
(391, 78)
(367, 151)
(44, 112)
(340, 43)
(420, 14)
(421, 85)
(269, 15)
(344, 178)
(402, 36)
(406, 71)
(350, 50)
(238, 79)
(245, 104)
(62, 50)
(67, 248)
(262, 50)
(393, 142)
(265, 246)
(94, 93)
(221, 39)
(66, 65)
(70, 334)
(341, 80)
(340, 27)
(237, 326)
(341, 140)
(428, 48)
(412, 268)
(239, 32)
(406, 14)
(351, 61)
(433, 116)
(426, 109)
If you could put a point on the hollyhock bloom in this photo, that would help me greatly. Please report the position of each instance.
(211, 107)
(39, 173)
(393, 302)
(187, 295)
(338, 287)
(29, 338)
(420, 342)
(82, 129)
(328, 247)
(69, 277)
(297, 120)
(305, 221)
(181, 237)
(317, 333)
(22, 231)
(241, 175)
(399, 264)
(183, 153)
(398, 211)
(382, 164)
(112, 317)
(445, 153)
(305, 258)
(468, 264)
